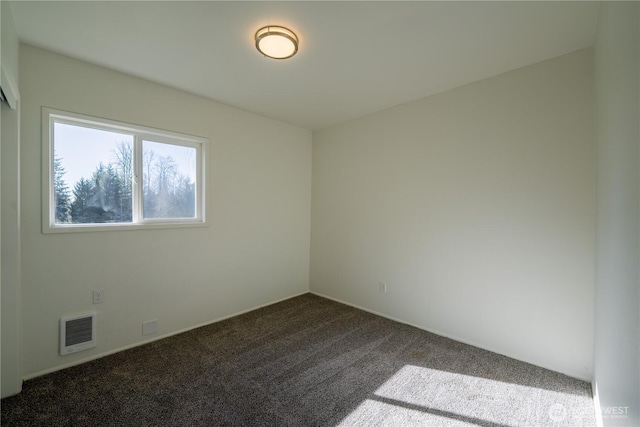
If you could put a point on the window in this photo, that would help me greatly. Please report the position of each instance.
(102, 175)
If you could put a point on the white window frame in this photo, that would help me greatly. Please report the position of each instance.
(51, 116)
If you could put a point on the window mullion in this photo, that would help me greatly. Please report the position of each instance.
(200, 180)
(137, 180)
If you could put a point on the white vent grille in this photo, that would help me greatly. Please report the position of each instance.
(77, 333)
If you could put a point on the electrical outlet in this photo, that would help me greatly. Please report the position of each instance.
(98, 296)
(149, 327)
(383, 288)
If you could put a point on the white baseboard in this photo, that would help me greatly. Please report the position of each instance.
(147, 341)
(596, 404)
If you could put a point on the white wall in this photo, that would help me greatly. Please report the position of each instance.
(617, 342)
(9, 40)
(10, 215)
(254, 251)
(476, 206)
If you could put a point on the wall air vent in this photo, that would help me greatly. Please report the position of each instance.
(77, 333)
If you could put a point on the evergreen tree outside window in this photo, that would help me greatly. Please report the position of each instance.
(63, 200)
(103, 174)
(89, 160)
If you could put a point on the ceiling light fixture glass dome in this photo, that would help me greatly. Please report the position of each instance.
(276, 42)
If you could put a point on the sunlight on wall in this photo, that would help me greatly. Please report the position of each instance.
(423, 396)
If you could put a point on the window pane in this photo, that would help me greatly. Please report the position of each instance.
(92, 175)
(169, 180)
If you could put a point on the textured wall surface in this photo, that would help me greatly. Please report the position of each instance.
(254, 250)
(476, 207)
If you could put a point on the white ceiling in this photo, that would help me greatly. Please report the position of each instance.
(355, 58)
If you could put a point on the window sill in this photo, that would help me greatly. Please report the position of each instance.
(82, 228)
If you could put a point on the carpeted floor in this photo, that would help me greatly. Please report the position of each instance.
(306, 361)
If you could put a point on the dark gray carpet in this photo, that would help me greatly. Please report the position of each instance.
(306, 361)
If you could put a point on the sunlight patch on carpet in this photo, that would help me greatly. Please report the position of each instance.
(417, 395)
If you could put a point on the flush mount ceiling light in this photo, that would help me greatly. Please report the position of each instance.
(276, 42)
